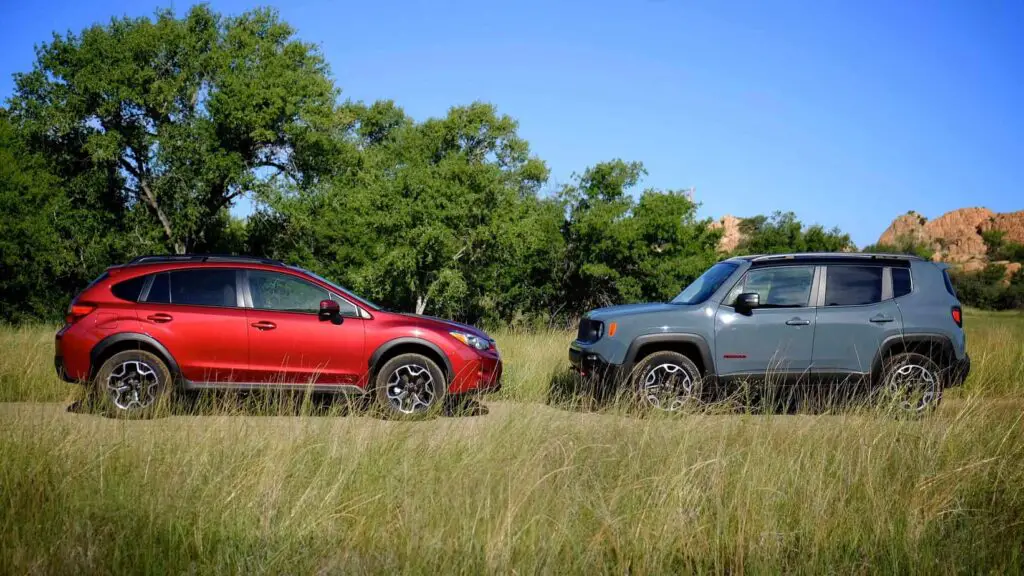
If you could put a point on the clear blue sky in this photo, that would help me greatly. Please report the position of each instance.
(848, 113)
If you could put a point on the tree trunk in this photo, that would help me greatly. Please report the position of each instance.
(179, 247)
(421, 304)
(150, 198)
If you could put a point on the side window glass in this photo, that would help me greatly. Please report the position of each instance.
(853, 285)
(286, 293)
(160, 290)
(900, 282)
(129, 289)
(347, 308)
(203, 287)
(948, 283)
(780, 287)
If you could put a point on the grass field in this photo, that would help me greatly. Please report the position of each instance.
(271, 487)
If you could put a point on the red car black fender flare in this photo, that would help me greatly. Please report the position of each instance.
(410, 342)
(124, 341)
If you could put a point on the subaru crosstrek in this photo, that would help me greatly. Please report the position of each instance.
(889, 320)
(195, 322)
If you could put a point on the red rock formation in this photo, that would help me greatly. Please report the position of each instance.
(731, 236)
(955, 237)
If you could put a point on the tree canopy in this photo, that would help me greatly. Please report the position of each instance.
(185, 114)
(783, 232)
(139, 135)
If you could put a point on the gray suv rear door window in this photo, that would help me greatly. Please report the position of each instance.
(853, 285)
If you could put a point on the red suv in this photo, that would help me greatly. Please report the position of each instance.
(198, 321)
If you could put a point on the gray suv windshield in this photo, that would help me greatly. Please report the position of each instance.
(703, 287)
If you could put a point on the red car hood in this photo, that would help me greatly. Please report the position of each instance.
(448, 324)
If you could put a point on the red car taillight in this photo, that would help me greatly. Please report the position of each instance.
(78, 311)
(958, 317)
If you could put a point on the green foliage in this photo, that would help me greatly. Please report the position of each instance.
(58, 233)
(619, 249)
(185, 114)
(138, 136)
(782, 232)
(998, 248)
(904, 244)
(442, 215)
(990, 288)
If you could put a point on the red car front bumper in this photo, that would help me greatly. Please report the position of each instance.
(479, 375)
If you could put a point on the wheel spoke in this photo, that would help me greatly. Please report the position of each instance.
(410, 389)
(914, 386)
(132, 384)
(667, 387)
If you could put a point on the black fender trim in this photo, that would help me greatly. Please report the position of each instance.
(409, 340)
(673, 337)
(122, 337)
(941, 341)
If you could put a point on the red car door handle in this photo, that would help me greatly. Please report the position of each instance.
(160, 318)
(264, 325)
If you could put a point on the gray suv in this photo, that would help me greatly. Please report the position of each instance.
(889, 320)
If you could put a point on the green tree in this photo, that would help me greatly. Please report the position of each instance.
(984, 288)
(998, 247)
(185, 115)
(904, 244)
(624, 250)
(440, 215)
(782, 232)
(58, 231)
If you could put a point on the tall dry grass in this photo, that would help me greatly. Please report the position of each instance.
(529, 488)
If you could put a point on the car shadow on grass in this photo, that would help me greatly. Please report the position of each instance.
(571, 392)
(231, 403)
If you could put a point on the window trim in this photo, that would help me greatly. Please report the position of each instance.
(812, 298)
(247, 293)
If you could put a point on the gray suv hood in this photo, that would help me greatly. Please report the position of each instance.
(612, 312)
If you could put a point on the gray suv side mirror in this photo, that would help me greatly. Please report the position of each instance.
(747, 301)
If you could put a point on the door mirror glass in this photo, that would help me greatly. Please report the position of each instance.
(748, 301)
(329, 310)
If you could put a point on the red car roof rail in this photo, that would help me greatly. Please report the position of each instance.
(158, 258)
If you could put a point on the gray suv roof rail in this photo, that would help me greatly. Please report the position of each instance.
(836, 255)
(158, 258)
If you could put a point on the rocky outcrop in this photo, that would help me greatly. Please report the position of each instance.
(731, 235)
(955, 237)
(1011, 223)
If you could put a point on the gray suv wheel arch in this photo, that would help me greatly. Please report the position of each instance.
(915, 342)
(695, 340)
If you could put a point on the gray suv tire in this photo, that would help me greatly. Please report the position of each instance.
(667, 381)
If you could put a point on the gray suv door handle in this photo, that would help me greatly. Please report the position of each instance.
(882, 318)
(797, 322)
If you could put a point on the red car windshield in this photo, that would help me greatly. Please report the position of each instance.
(344, 291)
